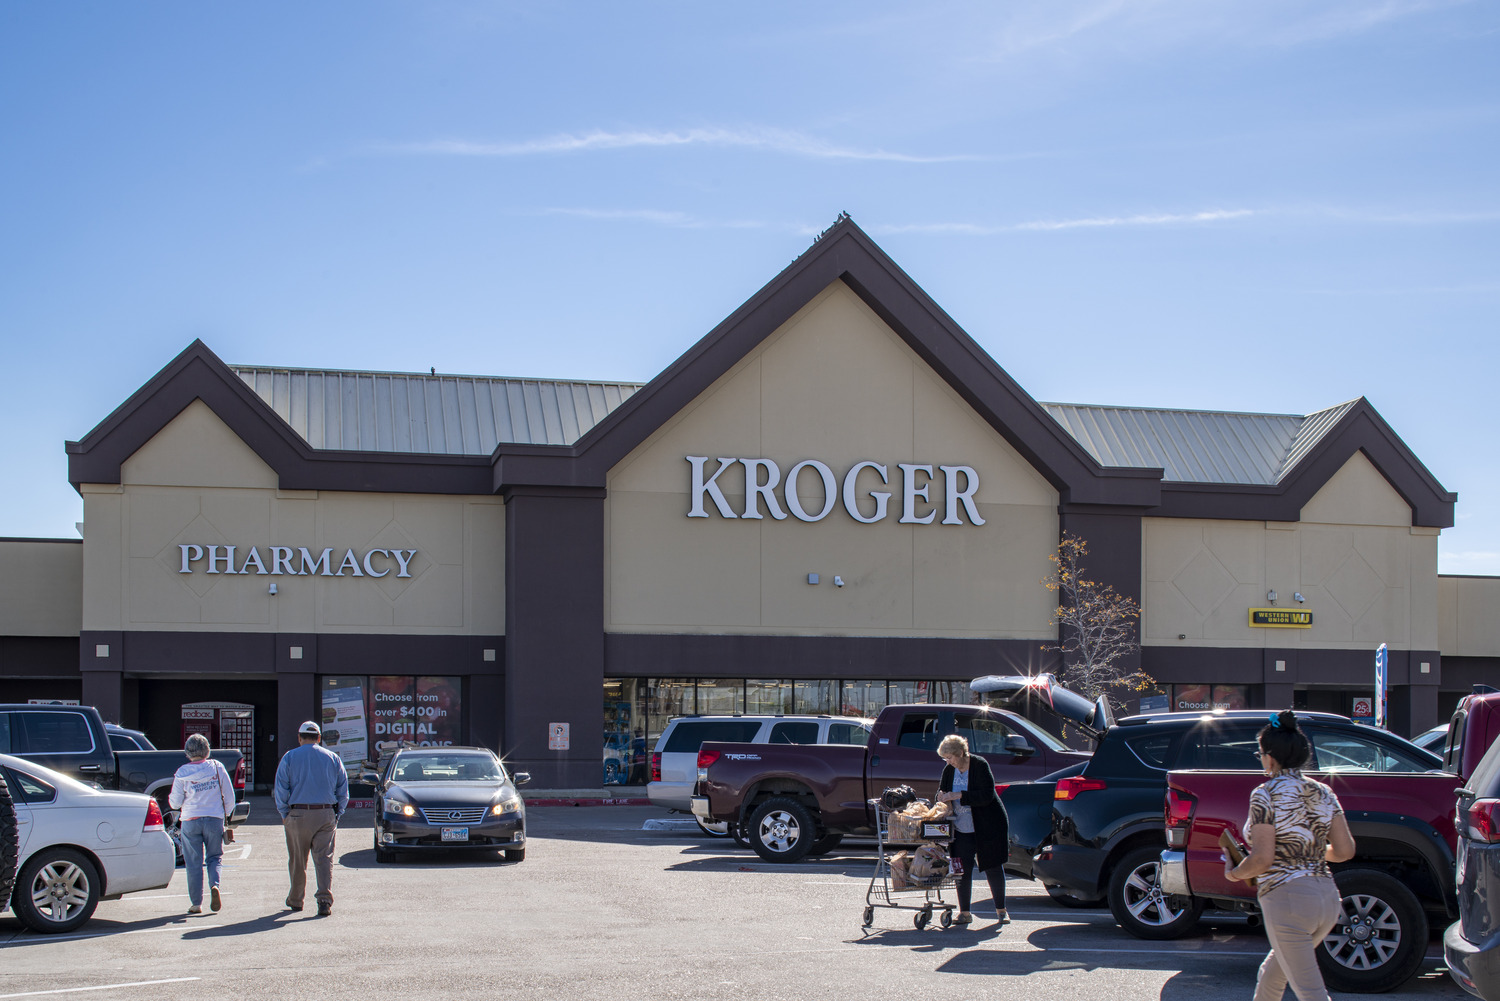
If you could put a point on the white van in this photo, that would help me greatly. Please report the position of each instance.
(674, 762)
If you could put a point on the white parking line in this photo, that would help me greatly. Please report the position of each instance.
(100, 987)
(48, 939)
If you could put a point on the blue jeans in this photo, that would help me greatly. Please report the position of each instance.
(202, 841)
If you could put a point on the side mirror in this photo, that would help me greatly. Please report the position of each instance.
(369, 778)
(521, 778)
(1019, 746)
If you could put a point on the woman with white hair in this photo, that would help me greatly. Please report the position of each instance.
(981, 828)
(204, 794)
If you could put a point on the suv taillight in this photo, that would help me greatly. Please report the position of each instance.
(239, 775)
(153, 817)
(706, 758)
(655, 766)
(1484, 820)
(1071, 786)
(1179, 817)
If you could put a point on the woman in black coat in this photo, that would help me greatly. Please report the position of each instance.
(981, 827)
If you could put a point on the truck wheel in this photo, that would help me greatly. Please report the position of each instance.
(9, 843)
(826, 844)
(782, 830)
(1067, 898)
(383, 855)
(737, 832)
(515, 855)
(56, 891)
(1379, 942)
(719, 829)
(1136, 900)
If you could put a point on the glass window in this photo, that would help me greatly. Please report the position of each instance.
(439, 720)
(55, 733)
(906, 692)
(1222, 743)
(1153, 748)
(813, 697)
(768, 697)
(985, 734)
(1338, 751)
(862, 698)
(345, 730)
(688, 734)
(625, 744)
(720, 696)
(120, 742)
(31, 790)
(447, 767)
(794, 732)
(920, 730)
(666, 698)
(848, 733)
(4, 733)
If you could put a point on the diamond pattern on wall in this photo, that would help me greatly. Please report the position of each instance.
(1204, 582)
(1354, 585)
(200, 532)
(393, 536)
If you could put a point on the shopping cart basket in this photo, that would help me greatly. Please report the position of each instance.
(899, 890)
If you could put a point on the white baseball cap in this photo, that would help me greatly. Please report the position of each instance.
(310, 729)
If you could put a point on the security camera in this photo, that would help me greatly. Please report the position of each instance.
(1298, 596)
(838, 581)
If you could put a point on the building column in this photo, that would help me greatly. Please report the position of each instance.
(1115, 558)
(101, 662)
(296, 687)
(554, 634)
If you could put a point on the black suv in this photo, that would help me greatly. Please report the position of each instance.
(1103, 836)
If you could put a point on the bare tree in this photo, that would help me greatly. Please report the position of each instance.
(1097, 627)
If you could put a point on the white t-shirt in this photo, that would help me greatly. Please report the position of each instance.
(202, 789)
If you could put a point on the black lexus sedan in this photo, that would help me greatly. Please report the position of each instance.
(442, 798)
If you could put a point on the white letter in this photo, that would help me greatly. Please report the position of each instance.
(910, 493)
(402, 561)
(214, 558)
(880, 497)
(955, 496)
(254, 557)
(371, 570)
(310, 565)
(712, 488)
(281, 556)
(830, 490)
(351, 563)
(754, 489)
(197, 555)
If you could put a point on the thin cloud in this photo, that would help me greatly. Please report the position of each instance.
(768, 140)
(1088, 222)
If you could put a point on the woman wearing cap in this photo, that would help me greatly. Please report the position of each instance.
(1296, 828)
(981, 828)
(204, 794)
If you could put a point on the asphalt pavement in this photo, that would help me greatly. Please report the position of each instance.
(612, 902)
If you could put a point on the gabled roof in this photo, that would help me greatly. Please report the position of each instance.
(1197, 446)
(417, 413)
(341, 430)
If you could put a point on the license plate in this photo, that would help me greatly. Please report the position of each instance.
(455, 834)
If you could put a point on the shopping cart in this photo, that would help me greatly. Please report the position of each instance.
(900, 890)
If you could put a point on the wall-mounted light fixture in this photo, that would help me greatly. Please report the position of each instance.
(1271, 597)
(272, 588)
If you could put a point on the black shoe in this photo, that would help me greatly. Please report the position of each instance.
(324, 910)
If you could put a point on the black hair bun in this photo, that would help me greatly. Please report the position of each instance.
(1286, 720)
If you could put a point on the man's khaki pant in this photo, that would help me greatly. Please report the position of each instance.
(1299, 914)
(310, 831)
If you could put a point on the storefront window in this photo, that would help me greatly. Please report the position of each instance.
(862, 698)
(721, 696)
(343, 719)
(358, 713)
(764, 697)
(1186, 698)
(625, 749)
(814, 697)
(665, 698)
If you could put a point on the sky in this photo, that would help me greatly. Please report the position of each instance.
(1267, 206)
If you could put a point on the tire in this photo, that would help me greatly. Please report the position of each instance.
(719, 829)
(515, 855)
(10, 840)
(826, 844)
(947, 918)
(1066, 898)
(172, 823)
(921, 919)
(869, 916)
(1136, 900)
(383, 855)
(782, 830)
(56, 891)
(737, 832)
(1380, 941)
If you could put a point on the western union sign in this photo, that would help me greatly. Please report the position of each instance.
(1280, 618)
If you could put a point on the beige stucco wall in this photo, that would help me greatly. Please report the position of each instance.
(195, 482)
(1368, 575)
(837, 385)
(41, 587)
(1469, 616)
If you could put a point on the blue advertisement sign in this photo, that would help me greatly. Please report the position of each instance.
(1382, 659)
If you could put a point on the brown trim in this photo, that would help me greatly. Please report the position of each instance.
(18, 538)
(39, 657)
(843, 657)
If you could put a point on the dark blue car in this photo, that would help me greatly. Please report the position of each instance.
(1472, 943)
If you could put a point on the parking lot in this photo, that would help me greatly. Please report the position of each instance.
(603, 908)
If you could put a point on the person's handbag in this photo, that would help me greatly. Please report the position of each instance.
(1235, 853)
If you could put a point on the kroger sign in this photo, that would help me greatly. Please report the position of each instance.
(923, 490)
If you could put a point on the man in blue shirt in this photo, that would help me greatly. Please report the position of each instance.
(312, 792)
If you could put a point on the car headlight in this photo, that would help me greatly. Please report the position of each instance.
(397, 807)
(510, 805)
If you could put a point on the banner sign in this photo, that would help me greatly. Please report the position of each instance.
(1280, 618)
(1382, 661)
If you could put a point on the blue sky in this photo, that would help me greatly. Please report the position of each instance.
(1254, 205)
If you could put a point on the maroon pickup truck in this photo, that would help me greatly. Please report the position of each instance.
(792, 800)
(1403, 867)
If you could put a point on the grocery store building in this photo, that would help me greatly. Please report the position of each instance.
(834, 500)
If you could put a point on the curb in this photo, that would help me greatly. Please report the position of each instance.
(587, 801)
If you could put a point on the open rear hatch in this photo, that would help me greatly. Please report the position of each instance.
(1019, 692)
